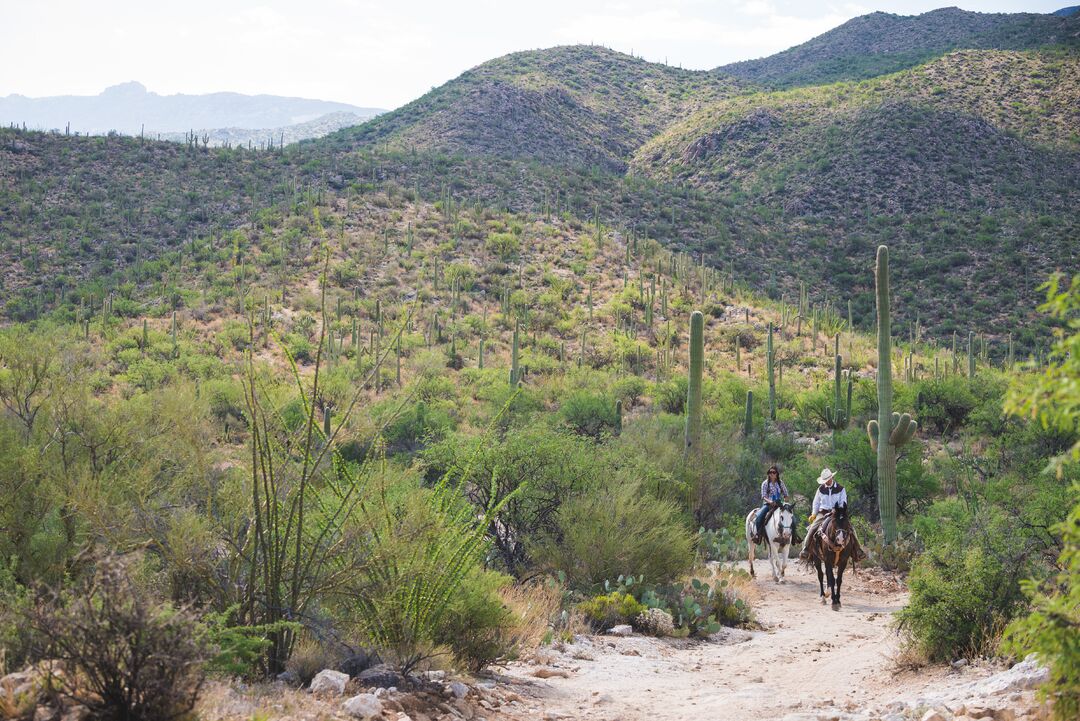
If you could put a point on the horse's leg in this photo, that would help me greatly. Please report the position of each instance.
(783, 560)
(750, 550)
(820, 578)
(839, 580)
(774, 561)
(832, 581)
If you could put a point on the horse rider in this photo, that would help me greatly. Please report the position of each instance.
(830, 495)
(773, 491)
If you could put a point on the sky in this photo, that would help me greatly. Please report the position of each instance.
(384, 54)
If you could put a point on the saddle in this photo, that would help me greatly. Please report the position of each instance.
(835, 537)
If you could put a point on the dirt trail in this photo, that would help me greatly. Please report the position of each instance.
(808, 659)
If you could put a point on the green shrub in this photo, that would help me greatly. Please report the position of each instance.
(944, 404)
(477, 623)
(611, 609)
(671, 395)
(529, 473)
(589, 414)
(618, 529)
(962, 596)
(1052, 629)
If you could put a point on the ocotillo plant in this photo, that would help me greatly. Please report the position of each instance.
(769, 356)
(693, 388)
(837, 415)
(890, 430)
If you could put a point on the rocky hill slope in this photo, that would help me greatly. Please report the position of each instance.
(577, 105)
(881, 43)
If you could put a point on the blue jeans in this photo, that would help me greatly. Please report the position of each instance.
(760, 520)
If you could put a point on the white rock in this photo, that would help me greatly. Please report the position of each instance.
(459, 689)
(623, 629)
(329, 682)
(364, 706)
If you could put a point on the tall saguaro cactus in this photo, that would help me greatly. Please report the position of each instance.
(770, 368)
(837, 415)
(693, 388)
(890, 430)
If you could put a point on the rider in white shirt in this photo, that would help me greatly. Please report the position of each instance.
(830, 495)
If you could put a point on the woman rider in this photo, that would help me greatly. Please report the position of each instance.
(773, 491)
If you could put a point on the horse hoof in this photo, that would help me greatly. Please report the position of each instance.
(823, 601)
(836, 606)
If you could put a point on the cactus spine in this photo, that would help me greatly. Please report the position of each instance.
(890, 430)
(693, 388)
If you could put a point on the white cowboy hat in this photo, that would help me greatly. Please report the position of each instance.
(826, 474)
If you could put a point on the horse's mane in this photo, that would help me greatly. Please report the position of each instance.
(852, 549)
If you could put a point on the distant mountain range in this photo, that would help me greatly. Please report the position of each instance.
(130, 109)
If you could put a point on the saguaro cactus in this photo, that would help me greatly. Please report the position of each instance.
(769, 357)
(693, 388)
(618, 416)
(838, 415)
(748, 422)
(971, 354)
(890, 430)
(515, 373)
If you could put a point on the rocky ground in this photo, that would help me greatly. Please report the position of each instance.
(806, 663)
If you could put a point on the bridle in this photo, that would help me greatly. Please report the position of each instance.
(842, 537)
(790, 528)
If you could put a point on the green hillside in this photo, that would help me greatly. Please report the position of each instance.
(970, 163)
(576, 105)
(882, 43)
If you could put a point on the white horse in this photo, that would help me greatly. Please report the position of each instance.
(778, 532)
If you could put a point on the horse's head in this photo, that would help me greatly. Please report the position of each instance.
(840, 523)
(785, 520)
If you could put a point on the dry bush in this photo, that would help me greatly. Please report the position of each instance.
(119, 652)
(533, 607)
(309, 656)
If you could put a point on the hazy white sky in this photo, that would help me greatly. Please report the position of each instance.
(383, 54)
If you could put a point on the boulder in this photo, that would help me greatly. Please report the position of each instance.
(933, 715)
(359, 662)
(290, 678)
(623, 629)
(458, 689)
(329, 682)
(363, 706)
(380, 676)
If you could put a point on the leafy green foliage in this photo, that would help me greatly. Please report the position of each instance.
(611, 609)
(1052, 629)
(616, 529)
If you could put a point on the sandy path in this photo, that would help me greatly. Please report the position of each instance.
(808, 657)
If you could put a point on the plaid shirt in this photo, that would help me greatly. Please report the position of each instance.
(773, 491)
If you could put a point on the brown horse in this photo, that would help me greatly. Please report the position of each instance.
(833, 545)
